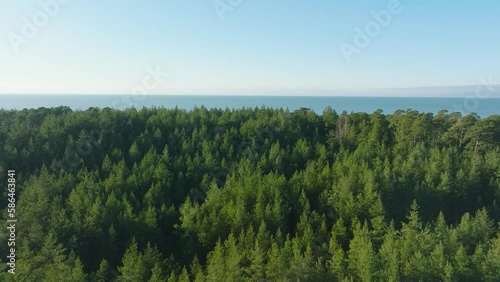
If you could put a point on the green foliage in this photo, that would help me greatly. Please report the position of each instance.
(252, 195)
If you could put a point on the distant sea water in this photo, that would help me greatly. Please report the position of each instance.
(483, 107)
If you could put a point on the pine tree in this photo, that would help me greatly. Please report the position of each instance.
(232, 260)
(389, 256)
(258, 258)
(133, 267)
(184, 276)
(276, 266)
(491, 264)
(195, 269)
(216, 266)
(462, 263)
(157, 274)
(337, 264)
(361, 255)
(104, 272)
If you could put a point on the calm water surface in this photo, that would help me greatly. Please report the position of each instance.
(485, 107)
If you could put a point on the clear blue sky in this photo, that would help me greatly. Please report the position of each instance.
(261, 46)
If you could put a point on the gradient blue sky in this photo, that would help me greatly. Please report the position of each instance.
(261, 46)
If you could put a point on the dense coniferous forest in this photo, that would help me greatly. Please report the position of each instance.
(254, 194)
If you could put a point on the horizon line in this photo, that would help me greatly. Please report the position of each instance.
(299, 92)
